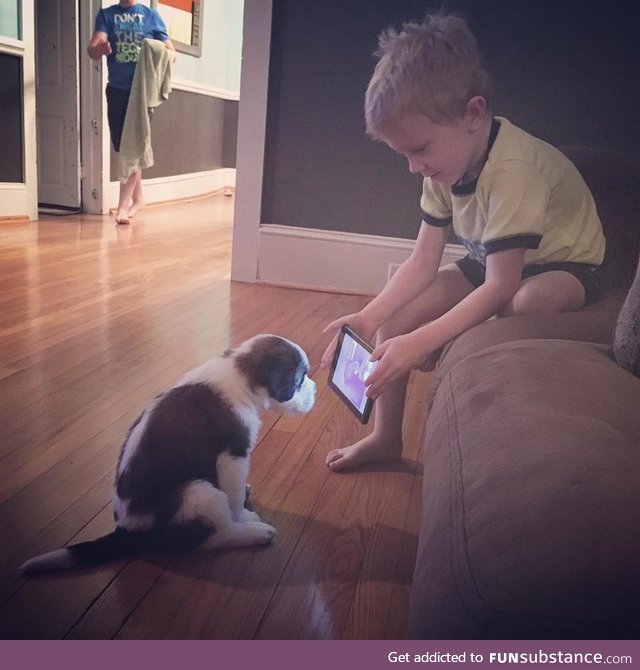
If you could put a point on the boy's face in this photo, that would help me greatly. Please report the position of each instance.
(445, 152)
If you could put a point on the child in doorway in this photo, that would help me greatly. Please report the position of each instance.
(518, 205)
(119, 32)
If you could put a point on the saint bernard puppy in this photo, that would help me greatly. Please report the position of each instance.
(182, 474)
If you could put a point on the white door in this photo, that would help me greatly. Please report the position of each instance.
(58, 132)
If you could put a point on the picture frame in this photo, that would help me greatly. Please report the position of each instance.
(184, 20)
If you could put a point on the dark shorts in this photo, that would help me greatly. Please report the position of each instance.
(117, 102)
(590, 276)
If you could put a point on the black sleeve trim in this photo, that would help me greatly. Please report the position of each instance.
(531, 241)
(434, 221)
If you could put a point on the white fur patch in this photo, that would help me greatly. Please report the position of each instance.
(232, 479)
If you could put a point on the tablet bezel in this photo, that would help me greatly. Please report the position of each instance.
(363, 417)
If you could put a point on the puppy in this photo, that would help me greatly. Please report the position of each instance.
(182, 474)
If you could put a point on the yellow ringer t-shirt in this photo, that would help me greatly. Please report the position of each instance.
(529, 194)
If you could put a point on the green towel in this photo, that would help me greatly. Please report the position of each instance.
(151, 86)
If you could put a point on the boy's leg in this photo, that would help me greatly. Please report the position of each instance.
(548, 292)
(126, 193)
(137, 198)
(385, 441)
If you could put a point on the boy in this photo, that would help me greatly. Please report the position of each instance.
(119, 32)
(521, 209)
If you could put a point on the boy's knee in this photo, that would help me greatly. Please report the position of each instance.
(404, 321)
(392, 328)
(519, 306)
(539, 297)
(525, 301)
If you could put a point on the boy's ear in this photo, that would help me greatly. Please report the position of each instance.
(476, 112)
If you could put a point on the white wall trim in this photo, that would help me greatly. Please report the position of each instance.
(349, 262)
(14, 200)
(252, 120)
(95, 138)
(29, 114)
(179, 187)
(204, 89)
(10, 46)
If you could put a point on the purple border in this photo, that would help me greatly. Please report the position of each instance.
(312, 655)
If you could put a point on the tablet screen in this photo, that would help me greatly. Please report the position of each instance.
(351, 366)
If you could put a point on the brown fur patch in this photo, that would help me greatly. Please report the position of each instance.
(274, 364)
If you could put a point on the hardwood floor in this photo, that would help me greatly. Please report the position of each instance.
(95, 320)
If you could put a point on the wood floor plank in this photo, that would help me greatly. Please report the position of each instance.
(45, 605)
(385, 574)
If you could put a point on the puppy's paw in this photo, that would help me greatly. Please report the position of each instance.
(263, 533)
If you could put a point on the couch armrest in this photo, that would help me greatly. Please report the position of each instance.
(595, 324)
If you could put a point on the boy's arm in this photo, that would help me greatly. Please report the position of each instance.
(401, 354)
(412, 277)
(99, 45)
(503, 279)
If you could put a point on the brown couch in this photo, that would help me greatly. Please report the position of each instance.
(531, 501)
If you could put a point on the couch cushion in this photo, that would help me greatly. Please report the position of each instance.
(593, 324)
(531, 497)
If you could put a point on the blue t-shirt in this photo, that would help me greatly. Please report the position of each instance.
(126, 28)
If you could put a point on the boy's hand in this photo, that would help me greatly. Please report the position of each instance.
(396, 357)
(355, 321)
(104, 48)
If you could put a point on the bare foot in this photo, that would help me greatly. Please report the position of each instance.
(371, 449)
(135, 208)
(122, 218)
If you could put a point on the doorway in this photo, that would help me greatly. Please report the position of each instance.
(57, 105)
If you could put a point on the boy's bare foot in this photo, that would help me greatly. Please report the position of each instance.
(371, 449)
(135, 208)
(122, 218)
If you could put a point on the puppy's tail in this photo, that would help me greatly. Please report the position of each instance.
(119, 544)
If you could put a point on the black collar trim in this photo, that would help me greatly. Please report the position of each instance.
(470, 187)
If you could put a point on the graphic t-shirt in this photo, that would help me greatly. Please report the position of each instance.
(127, 27)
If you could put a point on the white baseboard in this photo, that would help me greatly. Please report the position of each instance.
(17, 200)
(333, 261)
(179, 187)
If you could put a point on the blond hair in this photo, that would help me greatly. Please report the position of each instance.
(431, 68)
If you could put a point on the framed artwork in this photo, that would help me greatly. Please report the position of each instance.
(184, 23)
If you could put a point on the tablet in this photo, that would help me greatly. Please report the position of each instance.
(350, 367)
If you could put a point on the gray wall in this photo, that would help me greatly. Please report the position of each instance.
(564, 72)
(191, 133)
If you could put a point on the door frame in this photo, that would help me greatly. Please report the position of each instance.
(94, 138)
(252, 121)
(21, 198)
